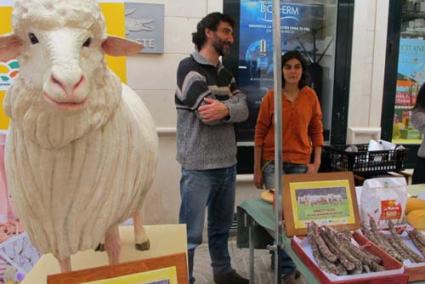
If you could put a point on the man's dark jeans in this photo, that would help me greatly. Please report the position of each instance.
(214, 189)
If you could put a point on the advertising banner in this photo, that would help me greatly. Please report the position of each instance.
(410, 77)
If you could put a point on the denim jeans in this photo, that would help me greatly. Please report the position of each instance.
(288, 168)
(286, 265)
(214, 189)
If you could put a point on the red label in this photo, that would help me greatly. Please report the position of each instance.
(390, 209)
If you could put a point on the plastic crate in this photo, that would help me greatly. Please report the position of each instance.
(364, 162)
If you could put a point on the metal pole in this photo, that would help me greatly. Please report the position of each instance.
(277, 71)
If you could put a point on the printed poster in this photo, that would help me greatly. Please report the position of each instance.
(324, 202)
(410, 77)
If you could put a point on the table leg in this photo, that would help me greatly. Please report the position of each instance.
(251, 251)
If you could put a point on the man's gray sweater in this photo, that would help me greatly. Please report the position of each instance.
(200, 145)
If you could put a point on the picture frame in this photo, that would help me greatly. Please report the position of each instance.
(169, 269)
(325, 198)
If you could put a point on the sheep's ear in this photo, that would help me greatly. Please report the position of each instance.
(116, 46)
(10, 47)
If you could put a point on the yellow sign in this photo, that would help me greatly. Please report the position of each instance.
(160, 276)
(5, 67)
(115, 25)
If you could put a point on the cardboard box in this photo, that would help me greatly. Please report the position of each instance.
(415, 271)
(393, 275)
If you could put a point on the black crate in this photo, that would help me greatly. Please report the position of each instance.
(363, 162)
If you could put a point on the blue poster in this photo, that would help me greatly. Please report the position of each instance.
(411, 62)
(411, 75)
(301, 25)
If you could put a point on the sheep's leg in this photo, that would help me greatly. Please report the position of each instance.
(140, 237)
(100, 246)
(65, 264)
(112, 244)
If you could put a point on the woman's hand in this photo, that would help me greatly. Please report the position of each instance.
(313, 168)
(258, 178)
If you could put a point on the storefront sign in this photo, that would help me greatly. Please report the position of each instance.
(6, 3)
(294, 17)
(145, 24)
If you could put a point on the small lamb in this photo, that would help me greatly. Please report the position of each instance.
(82, 148)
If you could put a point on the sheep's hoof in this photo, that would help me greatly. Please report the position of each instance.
(100, 247)
(143, 246)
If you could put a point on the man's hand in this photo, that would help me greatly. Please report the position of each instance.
(212, 110)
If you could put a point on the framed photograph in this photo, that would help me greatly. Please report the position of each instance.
(170, 269)
(325, 198)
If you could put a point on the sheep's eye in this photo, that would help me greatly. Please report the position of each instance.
(87, 42)
(33, 38)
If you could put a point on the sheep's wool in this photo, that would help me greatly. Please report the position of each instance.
(52, 14)
(75, 174)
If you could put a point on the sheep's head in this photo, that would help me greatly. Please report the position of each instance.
(60, 45)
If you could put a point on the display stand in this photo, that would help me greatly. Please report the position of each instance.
(256, 230)
(164, 240)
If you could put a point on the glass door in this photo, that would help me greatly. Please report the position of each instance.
(307, 26)
(321, 30)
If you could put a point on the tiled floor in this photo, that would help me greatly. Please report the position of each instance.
(240, 262)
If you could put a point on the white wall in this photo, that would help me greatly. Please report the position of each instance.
(367, 69)
(154, 79)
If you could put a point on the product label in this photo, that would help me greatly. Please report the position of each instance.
(390, 210)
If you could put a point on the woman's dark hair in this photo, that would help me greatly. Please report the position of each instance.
(297, 55)
(420, 99)
(210, 22)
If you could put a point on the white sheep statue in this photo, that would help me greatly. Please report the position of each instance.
(81, 150)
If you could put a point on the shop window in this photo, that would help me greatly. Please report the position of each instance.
(307, 26)
(321, 30)
(410, 71)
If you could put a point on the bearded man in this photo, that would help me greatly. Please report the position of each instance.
(208, 103)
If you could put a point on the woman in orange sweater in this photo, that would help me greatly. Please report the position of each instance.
(302, 133)
(302, 125)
